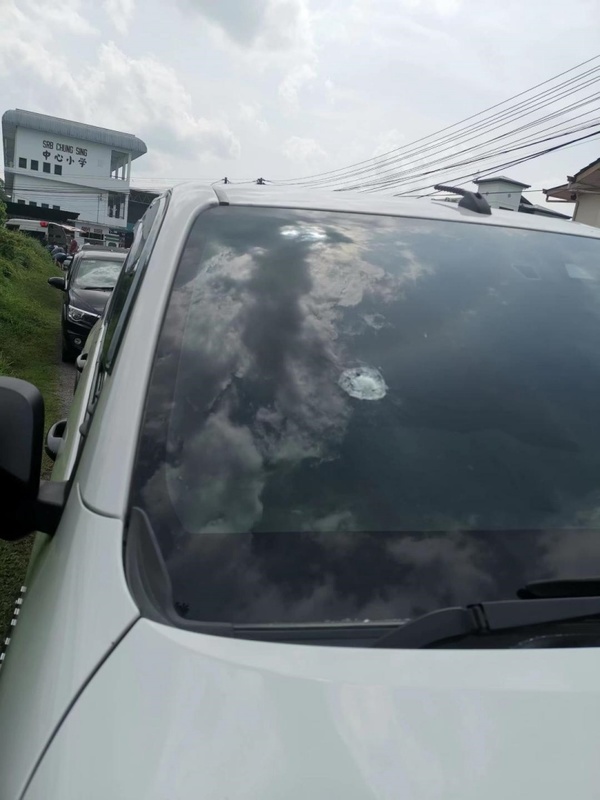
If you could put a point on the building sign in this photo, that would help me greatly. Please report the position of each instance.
(65, 153)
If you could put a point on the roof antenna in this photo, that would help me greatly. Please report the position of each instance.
(472, 201)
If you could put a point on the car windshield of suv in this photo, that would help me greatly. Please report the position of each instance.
(362, 418)
(97, 273)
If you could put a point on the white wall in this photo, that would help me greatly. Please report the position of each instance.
(499, 194)
(84, 184)
(79, 159)
(587, 209)
(91, 203)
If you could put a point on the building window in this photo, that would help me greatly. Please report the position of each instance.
(57, 169)
(93, 238)
(118, 164)
(56, 208)
(22, 202)
(116, 205)
(32, 203)
(46, 167)
(45, 205)
(23, 163)
(35, 165)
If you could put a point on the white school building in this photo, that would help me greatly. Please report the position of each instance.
(60, 164)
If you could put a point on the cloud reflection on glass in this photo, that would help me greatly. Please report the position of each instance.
(357, 417)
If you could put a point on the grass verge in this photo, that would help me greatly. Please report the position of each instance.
(29, 338)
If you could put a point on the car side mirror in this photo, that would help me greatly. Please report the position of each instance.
(57, 282)
(26, 505)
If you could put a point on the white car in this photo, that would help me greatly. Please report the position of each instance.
(323, 521)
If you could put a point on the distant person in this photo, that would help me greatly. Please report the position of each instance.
(73, 247)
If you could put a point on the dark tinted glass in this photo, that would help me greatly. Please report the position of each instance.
(126, 288)
(359, 417)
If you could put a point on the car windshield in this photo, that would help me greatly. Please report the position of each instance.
(97, 273)
(357, 417)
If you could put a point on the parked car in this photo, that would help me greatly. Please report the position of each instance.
(91, 277)
(323, 516)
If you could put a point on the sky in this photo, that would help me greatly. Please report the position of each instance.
(286, 88)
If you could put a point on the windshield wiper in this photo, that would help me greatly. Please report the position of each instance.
(97, 288)
(485, 619)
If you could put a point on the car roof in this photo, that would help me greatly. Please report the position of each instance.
(355, 202)
(102, 252)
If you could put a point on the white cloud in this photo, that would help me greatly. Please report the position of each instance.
(201, 80)
(301, 150)
(275, 34)
(146, 97)
(252, 113)
(138, 95)
(272, 25)
(295, 80)
(444, 8)
(64, 15)
(387, 141)
(26, 50)
(120, 13)
(448, 7)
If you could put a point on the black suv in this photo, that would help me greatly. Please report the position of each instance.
(87, 287)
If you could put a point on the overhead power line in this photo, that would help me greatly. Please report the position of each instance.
(479, 150)
(439, 142)
(497, 167)
(377, 160)
(474, 156)
(417, 166)
(472, 132)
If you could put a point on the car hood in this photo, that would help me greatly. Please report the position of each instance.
(89, 300)
(180, 715)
